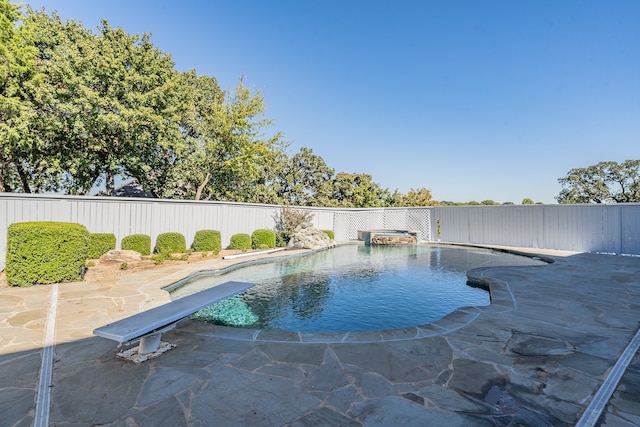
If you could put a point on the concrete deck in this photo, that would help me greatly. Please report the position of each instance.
(536, 356)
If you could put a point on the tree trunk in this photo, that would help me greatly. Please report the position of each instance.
(110, 183)
(2, 182)
(23, 178)
(202, 185)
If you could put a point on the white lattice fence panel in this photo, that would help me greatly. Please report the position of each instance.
(420, 219)
(395, 219)
(341, 226)
(347, 224)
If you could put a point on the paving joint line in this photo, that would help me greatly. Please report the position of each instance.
(591, 415)
(43, 401)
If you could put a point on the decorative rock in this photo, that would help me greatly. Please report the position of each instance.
(306, 236)
(121, 256)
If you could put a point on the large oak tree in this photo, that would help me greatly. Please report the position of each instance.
(605, 182)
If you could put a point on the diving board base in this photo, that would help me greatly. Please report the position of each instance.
(134, 355)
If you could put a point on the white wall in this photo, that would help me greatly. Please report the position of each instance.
(586, 228)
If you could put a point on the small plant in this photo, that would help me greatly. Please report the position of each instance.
(204, 254)
(161, 257)
(240, 241)
(263, 239)
(207, 240)
(124, 266)
(330, 233)
(90, 264)
(287, 219)
(170, 243)
(140, 243)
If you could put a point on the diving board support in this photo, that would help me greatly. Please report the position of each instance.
(148, 326)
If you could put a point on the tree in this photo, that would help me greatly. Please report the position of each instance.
(420, 197)
(306, 180)
(488, 202)
(358, 191)
(225, 153)
(107, 106)
(605, 182)
(527, 201)
(17, 71)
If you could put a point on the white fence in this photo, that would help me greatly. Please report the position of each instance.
(587, 228)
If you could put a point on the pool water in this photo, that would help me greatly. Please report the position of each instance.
(353, 288)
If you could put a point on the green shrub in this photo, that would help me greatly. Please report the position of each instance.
(282, 238)
(100, 244)
(45, 252)
(329, 233)
(263, 239)
(240, 241)
(207, 240)
(140, 243)
(170, 243)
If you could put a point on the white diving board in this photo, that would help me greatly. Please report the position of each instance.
(149, 325)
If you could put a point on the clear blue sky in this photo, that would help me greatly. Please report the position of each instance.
(472, 99)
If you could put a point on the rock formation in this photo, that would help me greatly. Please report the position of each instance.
(305, 236)
(121, 256)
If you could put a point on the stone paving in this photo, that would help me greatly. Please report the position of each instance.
(534, 357)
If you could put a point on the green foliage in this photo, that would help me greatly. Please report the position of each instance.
(45, 252)
(140, 243)
(358, 191)
(605, 182)
(107, 104)
(263, 239)
(225, 154)
(100, 244)
(17, 75)
(80, 107)
(287, 219)
(306, 180)
(169, 243)
(420, 197)
(240, 241)
(329, 233)
(527, 201)
(124, 266)
(207, 240)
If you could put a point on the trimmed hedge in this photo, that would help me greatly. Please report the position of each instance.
(45, 252)
(207, 240)
(240, 241)
(263, 239)
(100, 244)
(140, 243)
(170, 243)
(329, 233)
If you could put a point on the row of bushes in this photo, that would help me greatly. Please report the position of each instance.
(50, 252)
(204, 241)
(167, 243)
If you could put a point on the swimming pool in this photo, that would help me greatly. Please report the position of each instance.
(353, 288)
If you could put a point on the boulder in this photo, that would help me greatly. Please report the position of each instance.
(305, 236)
(121, 256)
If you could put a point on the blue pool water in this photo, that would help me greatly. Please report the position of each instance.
(353, 288)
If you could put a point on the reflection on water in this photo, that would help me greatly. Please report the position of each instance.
(355, 288)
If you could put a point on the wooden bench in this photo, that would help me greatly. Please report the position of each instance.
(149, 325)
